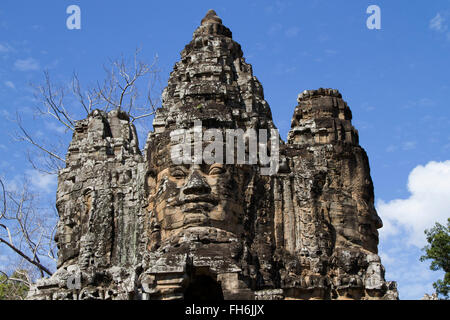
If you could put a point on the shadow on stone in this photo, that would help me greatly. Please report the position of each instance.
(203, 288)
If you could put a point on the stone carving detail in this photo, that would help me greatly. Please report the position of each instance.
(138, 226)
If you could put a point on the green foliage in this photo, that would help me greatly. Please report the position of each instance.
(438, 250)
(13, 289)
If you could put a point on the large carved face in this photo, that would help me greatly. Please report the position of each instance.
(192, 195)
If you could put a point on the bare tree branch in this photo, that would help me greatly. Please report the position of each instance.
(23, 255)
(119, 90)
(3, 212)
(28, 138)
(22, 230)
(53, 100)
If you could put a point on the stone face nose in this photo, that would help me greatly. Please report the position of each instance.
(196, 184)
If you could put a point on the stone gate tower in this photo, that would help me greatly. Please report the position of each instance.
(137, 225)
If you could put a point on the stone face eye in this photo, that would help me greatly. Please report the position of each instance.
(216, 170)
(178, 174)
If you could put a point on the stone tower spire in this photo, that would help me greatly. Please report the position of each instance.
(212, 78)
(211, 17)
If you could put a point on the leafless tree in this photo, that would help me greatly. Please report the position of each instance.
(45, 156)
(121, 90)
(27, 230)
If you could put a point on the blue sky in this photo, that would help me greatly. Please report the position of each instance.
(395, 80)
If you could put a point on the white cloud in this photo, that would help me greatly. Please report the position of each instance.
(409, 145)
(292, 32)
(428, 203)
(28, 64)
(3, 261)
(402, 263)
(9, 84)
(274, 29)
(438, 23)
(6, 164)
(277, 7)
(53, 126)
(5, 48)
(391, 148)
(12, 185)
(386, 258)
(282, 69)
(366, 106)
(37, 27)
(41, 181)
(277, 29)
(420, 103)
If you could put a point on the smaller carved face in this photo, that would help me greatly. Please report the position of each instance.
(368, 225)
(198, 195)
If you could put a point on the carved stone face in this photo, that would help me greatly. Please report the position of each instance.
(194, 195)
(367, 227)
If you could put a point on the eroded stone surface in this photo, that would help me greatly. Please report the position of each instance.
(137, 226)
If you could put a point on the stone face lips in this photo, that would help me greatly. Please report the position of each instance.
(138, 226)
